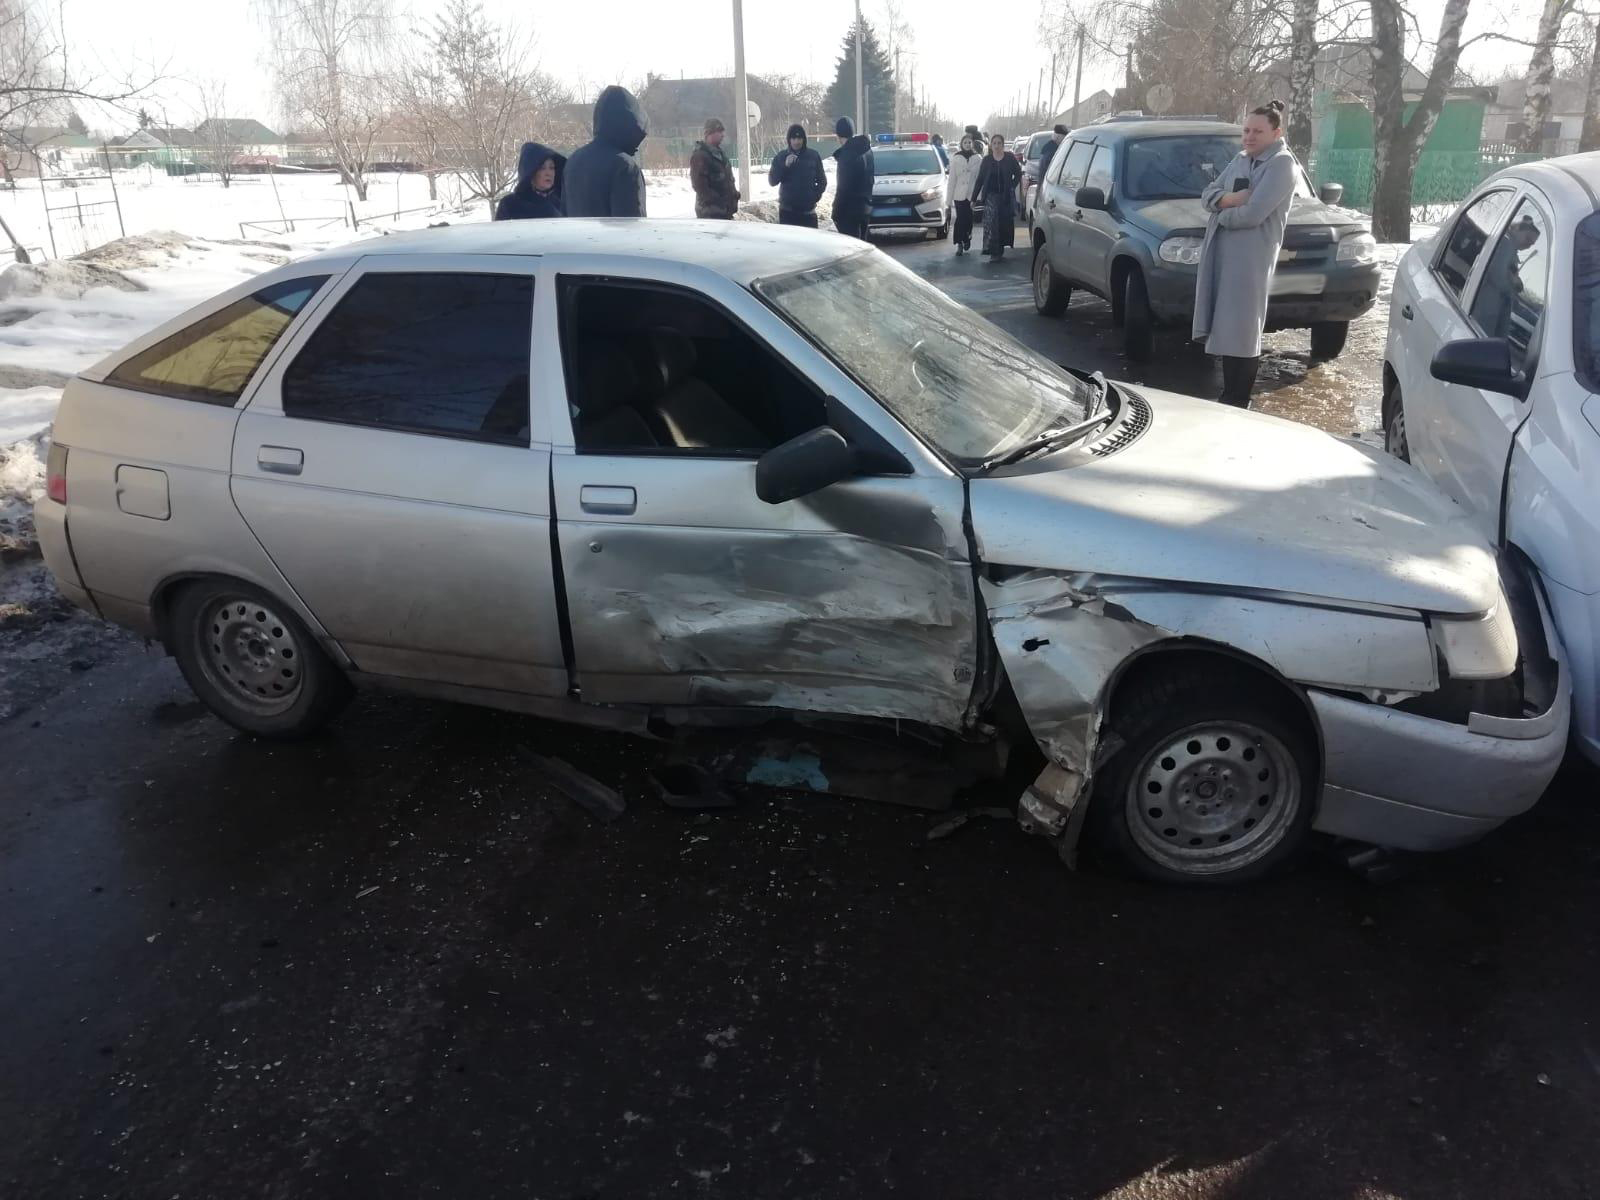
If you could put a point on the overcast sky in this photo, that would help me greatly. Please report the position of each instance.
(971, 57)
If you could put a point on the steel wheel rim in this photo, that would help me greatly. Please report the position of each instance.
(1041, 278)
(1213, 798)
(250, 654)
(1396, 433)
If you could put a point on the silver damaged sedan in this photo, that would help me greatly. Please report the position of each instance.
(602, 470)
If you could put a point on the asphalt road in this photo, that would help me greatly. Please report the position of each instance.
(394, 961)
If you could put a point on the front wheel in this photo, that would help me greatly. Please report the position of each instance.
(252, 662)
(1328, 338)
(1051, 293)
(1138, 320)
(1212, 786)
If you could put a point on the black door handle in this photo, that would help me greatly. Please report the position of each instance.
(1407, 313)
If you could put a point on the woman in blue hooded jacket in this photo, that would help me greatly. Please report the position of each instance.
(538, 190)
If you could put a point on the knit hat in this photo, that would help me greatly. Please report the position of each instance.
(714, 126)
(795, 131)
(844, 128)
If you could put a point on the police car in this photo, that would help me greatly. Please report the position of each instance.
(909, 189)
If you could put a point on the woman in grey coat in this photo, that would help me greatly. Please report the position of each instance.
(1249, 206)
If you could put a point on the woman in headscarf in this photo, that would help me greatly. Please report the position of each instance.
(538, 190)
(961, 185)
(997, 185)
(1249, 207)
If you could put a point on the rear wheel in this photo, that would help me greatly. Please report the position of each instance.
(1328, 338)
(1051, 293)
(251, 661)
(1138, 321)
(1213, 784)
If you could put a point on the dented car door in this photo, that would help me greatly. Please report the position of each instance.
(682, 586)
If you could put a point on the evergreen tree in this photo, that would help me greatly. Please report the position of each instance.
(75, 123)
(876, 78)
(145, 120)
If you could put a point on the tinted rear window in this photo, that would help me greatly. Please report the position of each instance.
(424, 352)
(213, 359)
(1586, 301)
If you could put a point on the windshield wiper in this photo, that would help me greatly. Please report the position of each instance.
(1099, 414)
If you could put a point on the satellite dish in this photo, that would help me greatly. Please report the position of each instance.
(755, 113)
(1160, 98)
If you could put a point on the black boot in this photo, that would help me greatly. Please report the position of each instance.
(1238, 380)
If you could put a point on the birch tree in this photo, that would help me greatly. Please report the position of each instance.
(1303, 47)
(1397, 138)
(328, 57)
(1541, 74)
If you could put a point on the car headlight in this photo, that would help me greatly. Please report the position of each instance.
(1482, 647)
(1184, 250)
(932, 191)
(1358, 248)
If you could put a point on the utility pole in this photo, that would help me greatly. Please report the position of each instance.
(741, 98)
(861, 95)
(1077, 81)
(896, 124)
(1052, 104)
(1038, 97)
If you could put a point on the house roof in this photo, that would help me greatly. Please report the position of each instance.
(56, 137)
(1346, 71)
(1566, 96)
(1088, 108)
(246, 130)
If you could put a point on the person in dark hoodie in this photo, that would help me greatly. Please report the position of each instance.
(710, 174)
(538, 190)
(853, 190)
(603, 179)
(798, 175)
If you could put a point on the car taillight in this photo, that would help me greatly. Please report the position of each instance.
(56, 473)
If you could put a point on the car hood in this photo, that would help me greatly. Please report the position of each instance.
(1161, 217)
(890, 184)
(1217, 496)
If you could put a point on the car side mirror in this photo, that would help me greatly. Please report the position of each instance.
(1331, 193)
(1479, 363)
(804, 464)
(1091, 197)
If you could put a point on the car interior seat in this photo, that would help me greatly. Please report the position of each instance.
(610, 384)
(689, 410)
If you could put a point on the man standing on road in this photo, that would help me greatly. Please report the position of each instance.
(715, 197)
(798, 175)
(853, 188)
(603, 179)
(1057, 136)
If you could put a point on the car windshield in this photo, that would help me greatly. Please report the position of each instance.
(1175, 168)
(954, 379)
(906, 160)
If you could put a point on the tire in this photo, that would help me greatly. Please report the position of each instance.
(1138, 321)
(1184, 800)
(1051, 293)
(251, 661)
(943, 232)
(1395, 440)
(1328, 338)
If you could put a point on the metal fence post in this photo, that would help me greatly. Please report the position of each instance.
(44, 198)
(122, 230)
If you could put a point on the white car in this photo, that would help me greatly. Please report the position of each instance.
(908, 188)
(585, 469)
(1490, 386)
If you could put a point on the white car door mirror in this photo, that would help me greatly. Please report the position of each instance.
(803, 465)
(1483, 363)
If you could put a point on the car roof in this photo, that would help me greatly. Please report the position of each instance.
(1560, 173)
(1154, 127)
(740, 250)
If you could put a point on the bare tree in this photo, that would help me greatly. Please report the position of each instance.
(1541, 74)
(1303, 48)
(217, 142)
(328, 57)
(1397, 138)
(421, 107)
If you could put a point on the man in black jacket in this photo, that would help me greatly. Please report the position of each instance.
(603, 179)
(798, 175)
(853, 189)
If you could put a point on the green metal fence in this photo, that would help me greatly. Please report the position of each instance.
(1442, 176)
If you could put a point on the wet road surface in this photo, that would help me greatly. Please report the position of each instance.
(392, 960)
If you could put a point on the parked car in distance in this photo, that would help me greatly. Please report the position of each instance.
(1491, 385)
(1031, 154)
(1119, 215)
(586, 470)
(908, 191)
